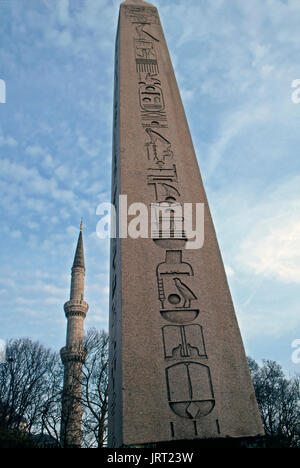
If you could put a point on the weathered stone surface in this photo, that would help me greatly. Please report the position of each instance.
(177, 363)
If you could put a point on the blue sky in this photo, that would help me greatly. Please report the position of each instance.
(234, 62)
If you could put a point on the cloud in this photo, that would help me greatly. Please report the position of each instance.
(260, 240)
(229, 271)
(42, 155)
(233, 124)
(7, 141)
(34, 150)
(263, 322)
(16, 234)
(276, 252)
(86, 147)
(63, 12)
(27, 182)
(269, 243)
(234, 62)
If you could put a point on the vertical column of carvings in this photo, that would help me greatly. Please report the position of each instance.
(189, 386)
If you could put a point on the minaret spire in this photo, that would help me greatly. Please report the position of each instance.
(79, 254)
(73, 354)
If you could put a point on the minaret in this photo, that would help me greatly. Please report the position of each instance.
(73, 354)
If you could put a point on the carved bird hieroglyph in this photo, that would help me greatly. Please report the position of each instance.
(185, 292)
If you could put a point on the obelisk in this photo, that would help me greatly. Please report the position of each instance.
(178, 369)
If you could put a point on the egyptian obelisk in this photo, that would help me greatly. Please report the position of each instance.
(178, 369)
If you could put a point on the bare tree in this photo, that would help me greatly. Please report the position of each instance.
(24, 384)
(50, 414)
(279, 403)
(31, 390)
(95, 389)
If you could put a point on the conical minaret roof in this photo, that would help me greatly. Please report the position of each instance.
(79, 254)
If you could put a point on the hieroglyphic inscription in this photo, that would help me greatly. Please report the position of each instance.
(174, 280)
(188, 380)
(145, 54)
(141, 14)
(158, 148)
(183, 341)
(194, 397)
(151, 99)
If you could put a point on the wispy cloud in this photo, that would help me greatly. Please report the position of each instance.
(272, 246)
(234, 62)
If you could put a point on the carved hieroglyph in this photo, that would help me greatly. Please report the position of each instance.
(177, 363)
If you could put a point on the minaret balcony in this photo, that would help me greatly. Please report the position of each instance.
(75, 353)
(74, 307)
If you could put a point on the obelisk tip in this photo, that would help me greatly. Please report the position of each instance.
(135, 2)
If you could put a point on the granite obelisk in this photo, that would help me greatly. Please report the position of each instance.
(178, 369)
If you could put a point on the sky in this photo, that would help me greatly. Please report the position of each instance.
(235, 62)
